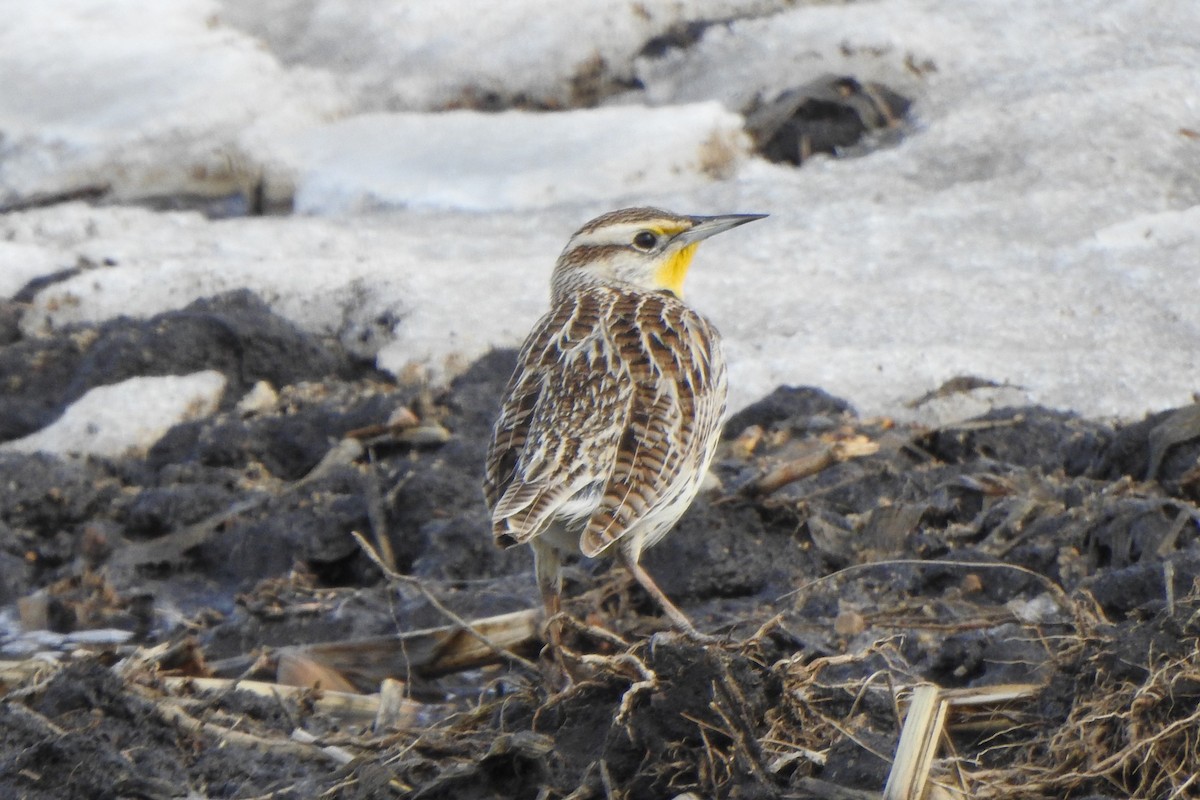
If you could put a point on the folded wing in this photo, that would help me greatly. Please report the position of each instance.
(606, 418)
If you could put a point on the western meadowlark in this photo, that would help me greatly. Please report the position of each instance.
(613, 413)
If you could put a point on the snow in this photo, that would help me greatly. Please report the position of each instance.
(21, 263)
(431, 55)
(513, 160)
(148, 98)
(100, 422)
(1037, 225)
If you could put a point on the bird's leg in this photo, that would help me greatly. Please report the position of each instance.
(547, 564)
(682, 623)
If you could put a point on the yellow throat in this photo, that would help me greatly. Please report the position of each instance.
(674, 269)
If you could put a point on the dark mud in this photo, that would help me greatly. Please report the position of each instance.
(840, 558)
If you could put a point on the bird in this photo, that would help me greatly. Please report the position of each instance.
(613, 412)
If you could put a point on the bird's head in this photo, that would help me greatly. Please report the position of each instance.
(642, 248)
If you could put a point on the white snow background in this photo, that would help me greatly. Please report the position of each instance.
(1038, 224)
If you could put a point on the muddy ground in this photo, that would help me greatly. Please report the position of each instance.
(840, 560)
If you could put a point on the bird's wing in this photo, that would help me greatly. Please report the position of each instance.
(677, 375)
(554, 443)
(615, 402)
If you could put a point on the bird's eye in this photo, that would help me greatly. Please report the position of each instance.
(645, 240)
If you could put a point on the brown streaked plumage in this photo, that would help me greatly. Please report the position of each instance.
(613, 413)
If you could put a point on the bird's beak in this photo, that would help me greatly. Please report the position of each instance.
(704, 227)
